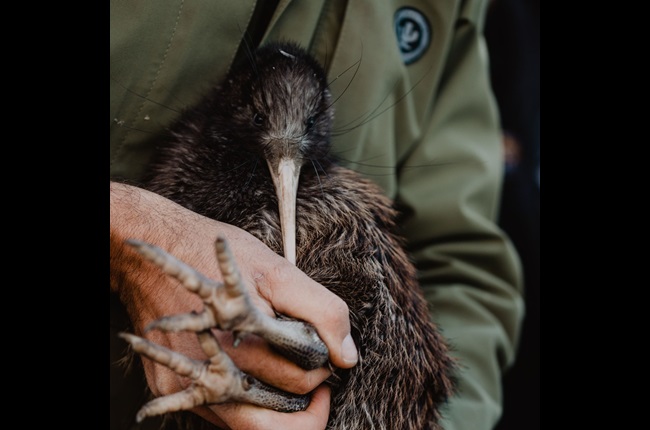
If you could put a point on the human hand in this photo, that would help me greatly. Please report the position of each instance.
(274, 285)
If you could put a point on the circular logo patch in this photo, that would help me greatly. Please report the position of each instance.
(413, 33)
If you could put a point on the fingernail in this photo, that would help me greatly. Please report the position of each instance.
(349, 350)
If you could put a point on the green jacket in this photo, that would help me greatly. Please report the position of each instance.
(427, 132)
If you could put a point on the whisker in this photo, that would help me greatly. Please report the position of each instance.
(348, 85)
(130, 91)
(358, 64)
(399, 100)
(368, 116)
(249, 52)
(343, 72)
(250, 177)
(320, 183)
(393, 169)
(162, 133)
(237, 167)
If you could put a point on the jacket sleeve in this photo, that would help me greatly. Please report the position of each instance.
(469, 270)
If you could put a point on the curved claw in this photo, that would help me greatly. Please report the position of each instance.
(192, 321)
(226, 306)
(216, 380)
(179, 363)
(181, 401)
(191, 279)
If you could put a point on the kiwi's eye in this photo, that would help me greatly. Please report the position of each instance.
(310, 122)
(258, 119)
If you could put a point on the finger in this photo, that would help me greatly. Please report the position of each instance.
(293, 293)
(252, 417)
(319, 407)
(255, 357)
(162, 380)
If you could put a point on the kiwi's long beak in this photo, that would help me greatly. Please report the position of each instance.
(285, 174)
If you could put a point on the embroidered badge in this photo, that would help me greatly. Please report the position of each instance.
(413, 33)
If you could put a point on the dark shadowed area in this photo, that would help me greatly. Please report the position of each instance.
(512, 32)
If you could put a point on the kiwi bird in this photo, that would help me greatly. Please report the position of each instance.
(255, 153)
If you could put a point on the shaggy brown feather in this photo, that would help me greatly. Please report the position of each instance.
(345, 234)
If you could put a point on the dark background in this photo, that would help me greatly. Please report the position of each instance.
(512, 33)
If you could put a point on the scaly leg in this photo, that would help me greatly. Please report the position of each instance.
(215, 380)
(227, 306)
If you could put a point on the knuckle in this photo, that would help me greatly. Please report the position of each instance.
(305, 384)
(335, 309)
(305, 381)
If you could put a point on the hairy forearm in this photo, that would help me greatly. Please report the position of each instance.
(275, 284)
(124, 211)
(129, 273)
(139, 214)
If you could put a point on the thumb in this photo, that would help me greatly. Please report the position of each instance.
(296, 295)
